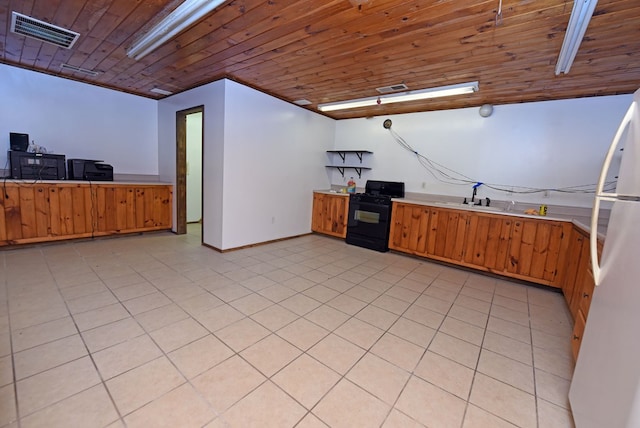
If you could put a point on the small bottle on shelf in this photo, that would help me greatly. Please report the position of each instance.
(351, 186)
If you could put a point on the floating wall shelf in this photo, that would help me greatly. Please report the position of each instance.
(344, 154)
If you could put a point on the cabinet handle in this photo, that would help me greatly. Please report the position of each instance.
(576, 337)
(585, 295)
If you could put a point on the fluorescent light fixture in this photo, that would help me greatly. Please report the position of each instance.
(440, 91)
(578, 23)
(173, 24)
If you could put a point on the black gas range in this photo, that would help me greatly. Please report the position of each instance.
(370, 214)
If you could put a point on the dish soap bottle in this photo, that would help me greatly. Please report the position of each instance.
(351, 186)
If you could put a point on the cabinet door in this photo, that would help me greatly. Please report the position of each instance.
(487, 242)
(317, 212)
(535, 249)
(578, 331)
(330, 214)
(584, 283)
(574, 253)
(446, 234)
(409, 228)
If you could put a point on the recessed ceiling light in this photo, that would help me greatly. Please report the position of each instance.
(302, 102)
(161, 91)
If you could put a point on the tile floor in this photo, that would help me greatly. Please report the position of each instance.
(158, 331)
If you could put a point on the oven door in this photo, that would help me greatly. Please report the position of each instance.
(368, 224)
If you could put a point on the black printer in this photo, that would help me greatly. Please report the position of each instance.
(90, 170)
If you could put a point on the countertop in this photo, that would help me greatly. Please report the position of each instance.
(580, 217)
(92, 182)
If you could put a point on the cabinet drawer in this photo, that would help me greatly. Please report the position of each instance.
(578, 331)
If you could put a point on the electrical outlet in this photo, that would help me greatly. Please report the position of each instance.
(546, 193)
(424, 185)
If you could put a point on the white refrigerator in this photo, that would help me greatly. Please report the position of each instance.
(605, 390)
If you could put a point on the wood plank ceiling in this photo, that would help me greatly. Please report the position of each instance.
(331, 50)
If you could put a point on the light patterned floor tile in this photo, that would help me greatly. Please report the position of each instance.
(137, 387)
(276, 305)
(346, 405)
(270, 354)
(302, 333)
(182, 407)
(337, 353)
(242, 334)
(379, 377)
(306, 380)
(431, 405)
(43, 389)
(226, 383)
(267, 406)
(89, 408)
(507, 402)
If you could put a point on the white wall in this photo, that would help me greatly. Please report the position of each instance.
(210, 96)
(544, 145)
(194, 167)
(274, 157)
(79, 120)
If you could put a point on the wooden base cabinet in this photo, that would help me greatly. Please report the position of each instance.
(528, 249)
(330, 214)
(40, 212)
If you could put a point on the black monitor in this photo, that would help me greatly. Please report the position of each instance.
(19, 142)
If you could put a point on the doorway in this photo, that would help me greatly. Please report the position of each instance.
(189, 150)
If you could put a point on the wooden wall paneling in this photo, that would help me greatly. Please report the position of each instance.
(139, 207)
(495, 245)
(514, 247)
(131, 208)
(159, 199)
(529, 230)
(90, 209)
(423, 229)
(558, 241)
(3, 223)
(316, 215)
(27, 212)
(540, 249)
(121, 207)
(149, 221)
(79, 209)
(55, 226)
(407, 231)
(456, 234)
(414, 227)
(110, 209)
(503, 245)
(395, 232)
(43, 218)
(101, 208)
(167, 204)
(66, 210)
(433, 231)
(12, 213)
(570, 268)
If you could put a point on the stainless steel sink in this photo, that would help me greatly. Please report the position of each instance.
(460, 205)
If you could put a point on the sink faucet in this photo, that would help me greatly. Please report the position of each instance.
(473, 196)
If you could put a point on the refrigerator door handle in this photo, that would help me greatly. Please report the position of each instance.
(601, 195)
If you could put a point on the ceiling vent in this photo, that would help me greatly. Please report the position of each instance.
(43, 31)
(393, 88)
(79, 70)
